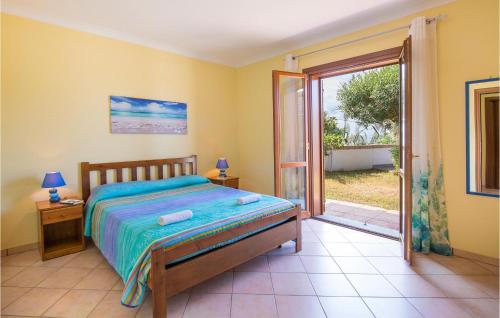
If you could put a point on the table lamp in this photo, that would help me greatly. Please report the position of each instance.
(222, 166)
(53, 180)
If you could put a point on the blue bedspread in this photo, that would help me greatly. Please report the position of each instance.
(122, 220)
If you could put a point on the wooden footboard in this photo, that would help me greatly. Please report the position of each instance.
(166, 281)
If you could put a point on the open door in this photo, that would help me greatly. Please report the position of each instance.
(405, 150)
(291, 143)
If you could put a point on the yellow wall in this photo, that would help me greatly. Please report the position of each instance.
(56, 84)
(467, 50)
(55, 90)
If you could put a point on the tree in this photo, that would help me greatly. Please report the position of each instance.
(333, 136)
(372, 98)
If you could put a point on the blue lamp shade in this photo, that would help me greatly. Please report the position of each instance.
(53, 180)
(222, 166)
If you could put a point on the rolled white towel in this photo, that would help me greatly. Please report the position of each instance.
(249, 199)
(175, 217)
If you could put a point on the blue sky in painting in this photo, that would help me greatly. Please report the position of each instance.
(140, 105)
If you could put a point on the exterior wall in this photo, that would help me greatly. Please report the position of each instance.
(358, 158)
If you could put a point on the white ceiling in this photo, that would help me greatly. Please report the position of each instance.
(230, 32)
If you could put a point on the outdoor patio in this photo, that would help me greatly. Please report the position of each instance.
(363, 216)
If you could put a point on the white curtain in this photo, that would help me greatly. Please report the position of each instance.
(429, 217)
(291, 64)
(289, 111)
(292, 131)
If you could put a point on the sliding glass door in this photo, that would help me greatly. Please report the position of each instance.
(291, 146)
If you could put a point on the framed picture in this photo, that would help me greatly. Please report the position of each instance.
(146, 116)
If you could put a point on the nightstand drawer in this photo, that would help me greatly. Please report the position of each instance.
(63, 214)
(232, 183)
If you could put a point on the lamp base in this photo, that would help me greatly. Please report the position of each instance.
(54, 196)
(222, 173)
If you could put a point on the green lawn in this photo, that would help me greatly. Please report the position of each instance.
(370, 187)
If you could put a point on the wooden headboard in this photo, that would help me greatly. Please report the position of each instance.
(117, 169)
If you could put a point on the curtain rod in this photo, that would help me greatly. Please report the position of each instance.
(428, 20)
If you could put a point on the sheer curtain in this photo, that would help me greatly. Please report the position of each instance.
(429, 216)
(290, 110)
(292, 133)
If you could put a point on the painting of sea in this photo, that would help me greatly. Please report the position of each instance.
(145, 116)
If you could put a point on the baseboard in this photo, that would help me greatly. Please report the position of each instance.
(476, 257)
(32, 246)
(19, 249)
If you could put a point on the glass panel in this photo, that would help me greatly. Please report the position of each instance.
(402, 204)
(292, 119)
(293, 185)
(402, 116)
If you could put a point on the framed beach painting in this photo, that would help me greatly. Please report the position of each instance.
(146, 116)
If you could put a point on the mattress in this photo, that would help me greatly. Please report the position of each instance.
(122, 218)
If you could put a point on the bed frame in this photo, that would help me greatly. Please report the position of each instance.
(165, 280)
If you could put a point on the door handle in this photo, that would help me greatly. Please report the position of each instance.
(401, 173)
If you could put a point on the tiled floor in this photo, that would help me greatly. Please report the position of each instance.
(339, 273)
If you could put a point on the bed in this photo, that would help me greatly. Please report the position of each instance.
(121, 219)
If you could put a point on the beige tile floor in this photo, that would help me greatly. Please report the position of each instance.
(339, 273)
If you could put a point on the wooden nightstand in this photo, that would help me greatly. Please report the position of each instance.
(232, 182)
(61, 229)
